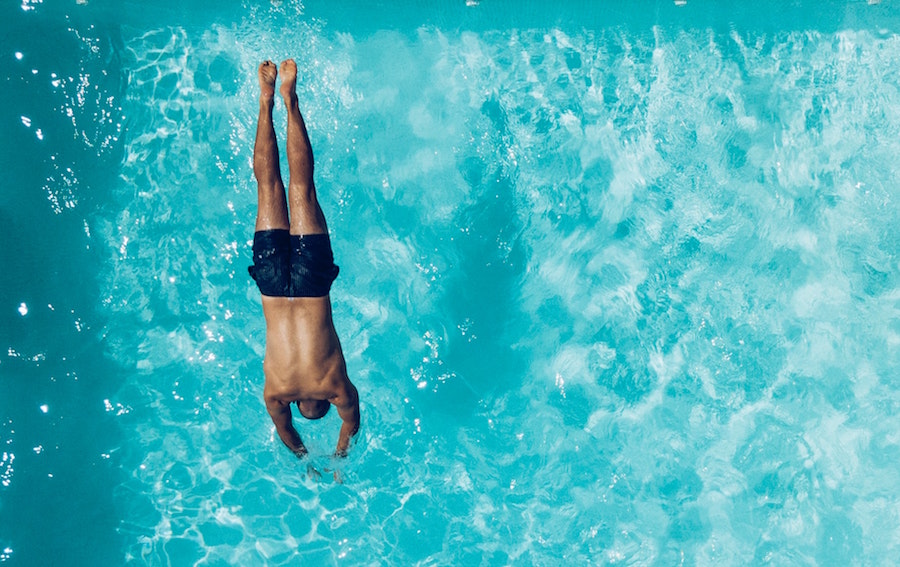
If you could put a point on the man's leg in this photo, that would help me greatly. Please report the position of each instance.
(272, 211)
(306, 215)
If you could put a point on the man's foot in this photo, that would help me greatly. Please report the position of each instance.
(267, 74)
(288, 86)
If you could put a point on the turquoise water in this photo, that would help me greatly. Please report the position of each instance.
(618, 284)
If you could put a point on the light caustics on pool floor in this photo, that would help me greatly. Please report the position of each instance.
(607, 297)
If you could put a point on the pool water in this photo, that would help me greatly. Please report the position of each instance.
(619, 285)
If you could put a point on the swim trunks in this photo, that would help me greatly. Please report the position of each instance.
(288, 265)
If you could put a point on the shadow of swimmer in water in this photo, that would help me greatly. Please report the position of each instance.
(293, 266)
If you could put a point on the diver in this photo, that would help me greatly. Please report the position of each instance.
(293, 266)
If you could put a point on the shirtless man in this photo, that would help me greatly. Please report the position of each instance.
(293, 267)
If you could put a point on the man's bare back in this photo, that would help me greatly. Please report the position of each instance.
(294, 268)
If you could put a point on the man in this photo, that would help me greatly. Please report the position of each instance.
(293, 267)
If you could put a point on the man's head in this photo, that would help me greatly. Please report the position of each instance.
(313, 409)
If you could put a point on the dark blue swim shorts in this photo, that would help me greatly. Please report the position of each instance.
(288, 265)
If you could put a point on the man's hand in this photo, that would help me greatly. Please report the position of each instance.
(280, 412)
(347, 405)
(312, 473)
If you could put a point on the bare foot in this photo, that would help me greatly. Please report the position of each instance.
(288, 88)
(267, 74)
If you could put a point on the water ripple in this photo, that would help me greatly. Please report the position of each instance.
(607, 298)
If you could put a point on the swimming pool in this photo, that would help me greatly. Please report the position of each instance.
(618, 285)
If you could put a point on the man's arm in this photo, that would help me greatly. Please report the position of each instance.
(347, 405)
(280, 412)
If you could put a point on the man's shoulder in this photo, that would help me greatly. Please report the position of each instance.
(344, 392)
